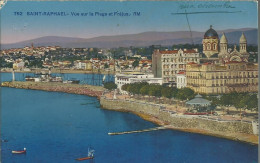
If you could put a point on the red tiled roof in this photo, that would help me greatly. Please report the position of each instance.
(182, 72)
(169, 52)
(191, 63)
(190, 51)
(207, 63)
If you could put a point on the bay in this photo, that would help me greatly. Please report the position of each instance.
(59, 127)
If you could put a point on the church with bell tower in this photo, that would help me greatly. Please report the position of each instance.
(213, 46)
(210, 42)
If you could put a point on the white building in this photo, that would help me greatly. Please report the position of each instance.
(18, 65)
(122, 79)
(181, 81)
(83, 65)
(167, 64)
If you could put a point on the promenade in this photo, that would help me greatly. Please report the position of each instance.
(230, 126)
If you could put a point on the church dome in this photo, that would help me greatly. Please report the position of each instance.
(211, 33)
(242, 38)
(223, 39)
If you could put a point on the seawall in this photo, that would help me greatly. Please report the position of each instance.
(235, 130)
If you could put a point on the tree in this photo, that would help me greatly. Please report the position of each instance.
(110, 85)
(252, 102)
(124, 87)
(174, 92)
(225, 100)
(145, 90)
(106, 66)
(166, 92)
(185, 93)
(135, 63)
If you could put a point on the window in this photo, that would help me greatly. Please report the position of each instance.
(208, 46)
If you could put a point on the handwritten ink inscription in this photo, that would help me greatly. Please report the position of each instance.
(209, 5)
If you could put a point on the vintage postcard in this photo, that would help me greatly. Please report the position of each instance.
(129, 81)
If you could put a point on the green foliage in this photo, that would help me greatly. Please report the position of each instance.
(110, 85)
(124, 87)
(158, 91)
(3, 63)
(36, 63)
(106, 66)
(144, 90)
(174, 92)
(238, 100)
(166, 92)
(185, 93)
(135, 63)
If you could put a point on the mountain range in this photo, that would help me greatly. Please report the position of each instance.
(139, 40)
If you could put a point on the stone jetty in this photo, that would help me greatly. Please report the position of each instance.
(89, 90)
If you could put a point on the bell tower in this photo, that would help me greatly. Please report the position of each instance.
(223, 44)
(242, 44)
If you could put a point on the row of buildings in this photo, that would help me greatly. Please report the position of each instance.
(63, 58)
(217, 70)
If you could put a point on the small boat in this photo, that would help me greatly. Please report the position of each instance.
(73, 81)
(19, 152)
(90, 156)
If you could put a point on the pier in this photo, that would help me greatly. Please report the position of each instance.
(138, 131)
(89, 90)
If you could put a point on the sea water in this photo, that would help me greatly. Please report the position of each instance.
(59, 127)
(91, 79)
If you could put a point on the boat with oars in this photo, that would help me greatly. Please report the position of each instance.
(20, 152)
(89, 157)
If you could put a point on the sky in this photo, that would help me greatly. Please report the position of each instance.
(154, 16)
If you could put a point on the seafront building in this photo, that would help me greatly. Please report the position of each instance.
(222, 71)
(166, 64)
(229, 72)
(181, 81)
(129, 78)
(210, 78)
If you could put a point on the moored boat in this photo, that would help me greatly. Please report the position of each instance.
(90, 156)
(19, 152)
(73, 81)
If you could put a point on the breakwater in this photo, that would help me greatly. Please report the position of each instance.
(137, 131)
(89, 90)
(235, 130)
